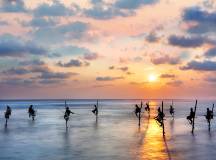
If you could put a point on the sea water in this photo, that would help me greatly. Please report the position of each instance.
(114, 135)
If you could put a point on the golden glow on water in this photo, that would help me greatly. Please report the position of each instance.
(153, 145)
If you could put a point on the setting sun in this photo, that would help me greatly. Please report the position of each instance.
(152, 78)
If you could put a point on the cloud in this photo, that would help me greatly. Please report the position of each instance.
(200, 66)
(12, 6)
(34, 72)
(16, 71)
(166, 59)
(103, 13)
(39, 69)
(129, 73)
(133, 4)
(54, 55)
(14, 47)
(124, 60)
(124, 69)
(187, 42)
(72, 31)
(33, 62)
(50, 81)
(111, 67)
(152, 37)
(120, 8)
(91, 56)
(4, 23)
(54, 9)
(102, 85)
(205, 20)
(73, 63)
(74, 27)
(211, 52)
(55, 75)
(108, 78)
(175, 83)
(167, 76)
(138, 83)
(40, 22)
(17, 82)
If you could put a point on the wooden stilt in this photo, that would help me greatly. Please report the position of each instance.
(194, 117)
(140, 113)
(97, 111)
(209, 125)
(139, 118)
(163, 119)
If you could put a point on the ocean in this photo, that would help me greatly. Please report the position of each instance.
(114, 135)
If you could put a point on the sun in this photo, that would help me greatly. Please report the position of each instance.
(152, 78)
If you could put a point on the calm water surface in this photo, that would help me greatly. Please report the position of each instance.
(115, 135)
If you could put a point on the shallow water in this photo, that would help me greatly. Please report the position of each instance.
(114, 135)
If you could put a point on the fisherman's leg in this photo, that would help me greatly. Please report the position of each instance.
(191, 121)
(66, 124)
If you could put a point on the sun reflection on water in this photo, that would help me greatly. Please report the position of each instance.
(153, 145)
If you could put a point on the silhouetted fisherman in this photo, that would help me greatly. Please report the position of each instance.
(7, 114)
(137, 110)
(147, 108)
(209, 116)
(191, 116)
(31, 112)
(160, 116)
(95, 110)
(67, 115)
(171, 110)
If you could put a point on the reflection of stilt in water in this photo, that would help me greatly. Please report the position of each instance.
(6, 123)
(145, 130)
(172, 124)
(96, 123)
(167, 149)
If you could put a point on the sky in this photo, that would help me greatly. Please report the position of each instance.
(107, 49)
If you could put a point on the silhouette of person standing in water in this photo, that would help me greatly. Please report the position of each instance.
(147, 108)
(137, 111)
(7, 114)
(67, 115)
(191, 116)
(171, 110)
(31, 112)
(95, 110)
(209, 116)
(160, 116)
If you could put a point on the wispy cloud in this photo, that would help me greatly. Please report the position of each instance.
(166, 59)
(200, 66)
(73, 63)
(108, 78)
